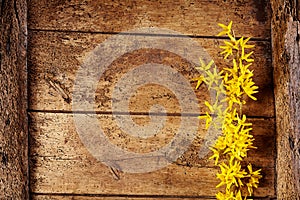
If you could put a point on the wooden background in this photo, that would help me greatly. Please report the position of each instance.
(62, 32)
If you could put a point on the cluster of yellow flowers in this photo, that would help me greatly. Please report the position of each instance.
(230, 87)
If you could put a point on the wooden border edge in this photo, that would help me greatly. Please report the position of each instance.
(14, 173)
(286, 62)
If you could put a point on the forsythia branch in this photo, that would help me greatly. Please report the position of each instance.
(231, 86)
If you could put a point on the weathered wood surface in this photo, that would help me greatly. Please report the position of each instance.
(59, 129)
(62, 33)
(94, 197)
(286, 61)
(188, 17)
(13, 101)
(54, 59)
(60, 163)
(90, 177)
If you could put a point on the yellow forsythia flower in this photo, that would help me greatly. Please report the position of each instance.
(231, 86)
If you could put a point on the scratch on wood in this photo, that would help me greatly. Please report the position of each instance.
(115, 173)
(60, 90)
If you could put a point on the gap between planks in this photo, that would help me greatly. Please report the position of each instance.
(133, 113)
(144, 34)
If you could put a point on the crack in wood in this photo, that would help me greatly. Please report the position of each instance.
(4, 158)
(8, 40)
(2, 6)
(17, 14)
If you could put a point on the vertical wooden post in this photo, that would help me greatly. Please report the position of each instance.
(286, 62)
(13, 101)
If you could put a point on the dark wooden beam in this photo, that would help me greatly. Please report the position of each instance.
(13, 101)
(286, 62)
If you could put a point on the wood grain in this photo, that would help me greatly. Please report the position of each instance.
(63, 33)
(61, 164)
(188, 17)
(13, 101)
(54, 59)
(90, 177)
(91, 197)
(285, 39)
(95, 197)
(57, 197)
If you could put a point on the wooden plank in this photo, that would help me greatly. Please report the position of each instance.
(251, 17)
(54, 59)
(46, 197)
(13, 101)
(58, 136)
(61, 197)
(285, 40)
(71, 176)
(70, 197)
(61, 164)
